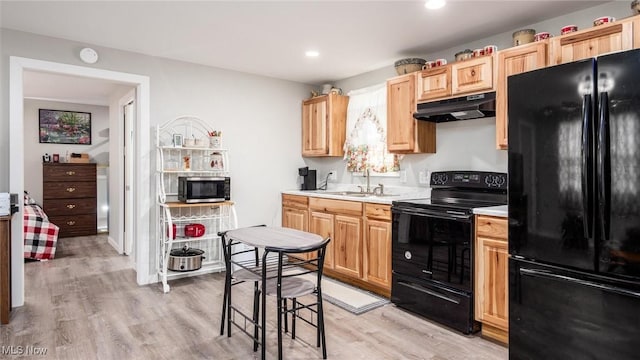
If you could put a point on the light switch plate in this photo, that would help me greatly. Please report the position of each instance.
(403, 176)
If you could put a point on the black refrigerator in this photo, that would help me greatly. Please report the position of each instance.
(574, 210)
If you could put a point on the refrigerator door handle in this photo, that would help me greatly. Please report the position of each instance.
(603, 287)
(586, 167)
(604, 164)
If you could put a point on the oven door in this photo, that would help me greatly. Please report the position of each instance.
(434, 246)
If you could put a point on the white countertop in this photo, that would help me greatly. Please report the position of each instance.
(501, 210)
(394, 194)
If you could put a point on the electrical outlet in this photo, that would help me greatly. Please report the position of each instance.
(333, 176)
(403, 176)
(423, 177)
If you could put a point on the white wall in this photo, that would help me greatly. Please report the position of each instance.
(259, 116)
(462, 145)
(33, 149)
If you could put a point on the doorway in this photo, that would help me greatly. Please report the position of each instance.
(139, 161)
(128, 106)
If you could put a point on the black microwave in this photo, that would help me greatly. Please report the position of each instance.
(203, 189)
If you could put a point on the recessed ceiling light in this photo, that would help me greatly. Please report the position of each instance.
(312, 53)
(434, 4)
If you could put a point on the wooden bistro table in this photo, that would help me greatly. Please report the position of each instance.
(272, 240)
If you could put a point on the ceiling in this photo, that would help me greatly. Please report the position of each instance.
(270, 38)
(71, 89)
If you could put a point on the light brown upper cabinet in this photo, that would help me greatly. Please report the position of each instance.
(470, 76)
(434, 83)
(617, 36)
(404, 133)
(513, 61)
(462, 77)
(324, 123)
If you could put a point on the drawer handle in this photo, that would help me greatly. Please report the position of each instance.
(71, 222)
(71, 189)
(71, 206)
(70, 173)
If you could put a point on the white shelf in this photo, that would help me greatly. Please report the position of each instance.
(215, 217)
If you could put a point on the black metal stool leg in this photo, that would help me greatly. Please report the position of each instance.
(256, 314)
(293, 318)
(224, 303)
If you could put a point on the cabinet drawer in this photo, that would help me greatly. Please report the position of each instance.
(65, 190)
(70, 206)
(377, 211)
(295, 201)
(490, 226)
(64, 172)
(76, 225)
(336, 206)
(472, 75)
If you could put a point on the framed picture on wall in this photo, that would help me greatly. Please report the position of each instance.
(65, 127)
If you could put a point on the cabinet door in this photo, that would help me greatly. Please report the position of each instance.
(495, 273)
(322, 224)
(314, 127)
(472, 75)
(434, 83)
(401, 104)
(599, 40)
(510, 62)
(348, 245)
(295, 219)
(377, 253)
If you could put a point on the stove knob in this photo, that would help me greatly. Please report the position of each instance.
(494, 180)
(407, 255)
(439, 179)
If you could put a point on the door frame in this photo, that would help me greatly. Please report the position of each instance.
(141, 185)
(126, 197)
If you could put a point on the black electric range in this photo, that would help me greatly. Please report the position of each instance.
(432, 246)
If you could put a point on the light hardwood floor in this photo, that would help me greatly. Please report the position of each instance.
(85, 304)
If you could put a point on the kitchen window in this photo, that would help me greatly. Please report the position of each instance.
(366, 144)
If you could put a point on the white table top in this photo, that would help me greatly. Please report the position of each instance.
(275, 237)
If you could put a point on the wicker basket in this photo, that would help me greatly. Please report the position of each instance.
(406, 66)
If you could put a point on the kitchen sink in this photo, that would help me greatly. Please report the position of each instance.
(347, 193)
(355, 193)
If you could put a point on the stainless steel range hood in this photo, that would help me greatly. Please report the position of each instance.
(462, 108)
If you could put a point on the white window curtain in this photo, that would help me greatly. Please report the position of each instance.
(366, 144)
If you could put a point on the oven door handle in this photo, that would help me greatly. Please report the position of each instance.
(428, 292)
(449, 215)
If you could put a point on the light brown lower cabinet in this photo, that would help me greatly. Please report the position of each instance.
(360, 249)
(377, 252)
(492, 277)
(322, 224)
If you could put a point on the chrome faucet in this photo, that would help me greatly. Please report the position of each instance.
(368, 190)
(379, 187)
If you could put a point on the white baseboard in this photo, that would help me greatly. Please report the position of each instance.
(114, 244)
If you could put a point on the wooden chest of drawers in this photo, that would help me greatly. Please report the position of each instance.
(69, 192)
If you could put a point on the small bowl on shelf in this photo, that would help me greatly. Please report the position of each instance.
(409, 65)
(568, 29)
(603, 20)
(464, 55)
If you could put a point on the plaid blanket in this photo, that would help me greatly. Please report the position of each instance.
(40, 236)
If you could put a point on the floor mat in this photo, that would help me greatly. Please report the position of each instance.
(352, 299)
